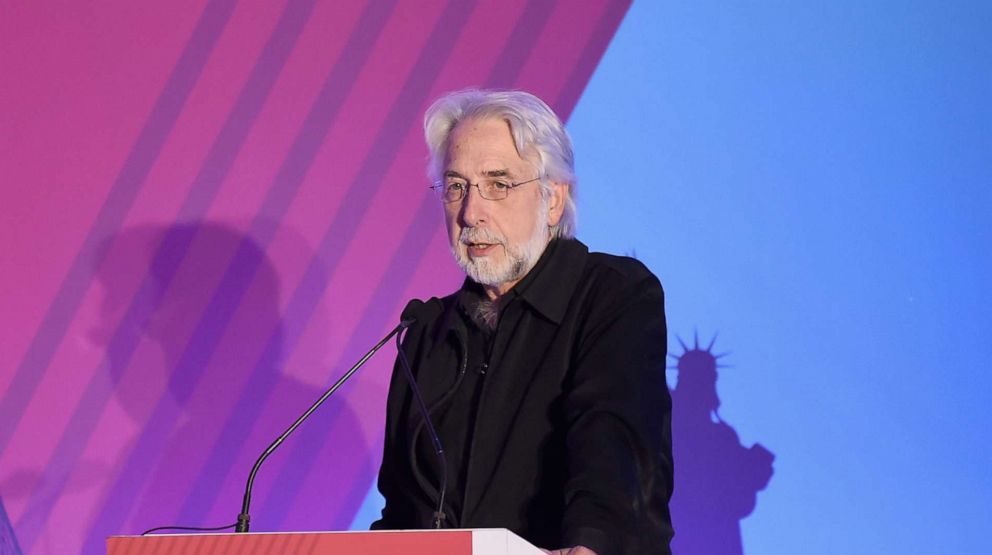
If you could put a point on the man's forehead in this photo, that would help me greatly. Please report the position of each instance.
(485, 147)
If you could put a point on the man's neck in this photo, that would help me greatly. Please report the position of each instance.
(495, 292)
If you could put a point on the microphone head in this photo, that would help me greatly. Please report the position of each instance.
(411, 313)
(419, 311)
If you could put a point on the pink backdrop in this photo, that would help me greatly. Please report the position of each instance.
(211, 208)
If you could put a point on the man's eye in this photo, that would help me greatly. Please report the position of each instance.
(455, 186)
(501, 185)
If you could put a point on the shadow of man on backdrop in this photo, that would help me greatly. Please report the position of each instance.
(716, 478)
(212, 390)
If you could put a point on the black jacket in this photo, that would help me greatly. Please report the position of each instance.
(572, 440)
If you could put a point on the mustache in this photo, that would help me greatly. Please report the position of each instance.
(480, 235)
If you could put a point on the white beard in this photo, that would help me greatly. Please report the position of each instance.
(517, 259)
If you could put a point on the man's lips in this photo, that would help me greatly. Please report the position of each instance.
(480, 249)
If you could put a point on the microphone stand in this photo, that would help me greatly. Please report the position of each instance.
(244, 517)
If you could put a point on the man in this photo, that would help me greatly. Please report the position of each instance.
(545, 373)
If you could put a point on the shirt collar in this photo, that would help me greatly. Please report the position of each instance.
(549, 285)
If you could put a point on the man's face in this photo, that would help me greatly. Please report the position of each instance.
(496, 242)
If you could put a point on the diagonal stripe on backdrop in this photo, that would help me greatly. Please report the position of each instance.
(328, 256)
(238, 275)
(593, 51)
(168, 258)
(122, 193)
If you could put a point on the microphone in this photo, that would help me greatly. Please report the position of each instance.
(414, 309)
(409, 317)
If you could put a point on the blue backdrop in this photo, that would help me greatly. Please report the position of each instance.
(812, 182)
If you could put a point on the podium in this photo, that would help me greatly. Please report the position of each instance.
(497, 541)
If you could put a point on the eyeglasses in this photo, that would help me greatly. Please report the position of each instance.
(454, 190)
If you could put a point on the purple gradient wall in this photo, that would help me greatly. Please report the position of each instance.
(210, 209)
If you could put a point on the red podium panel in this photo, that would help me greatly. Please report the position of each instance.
(408, 542)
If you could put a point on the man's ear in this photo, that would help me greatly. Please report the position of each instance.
(556, 202)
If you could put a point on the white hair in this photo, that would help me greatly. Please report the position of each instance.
(536, 130)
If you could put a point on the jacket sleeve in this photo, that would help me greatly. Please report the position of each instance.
(617, 411)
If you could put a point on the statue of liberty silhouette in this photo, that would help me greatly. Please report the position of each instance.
(716, 478)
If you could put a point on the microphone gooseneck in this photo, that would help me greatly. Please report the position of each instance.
(243, 516)
(439, 515)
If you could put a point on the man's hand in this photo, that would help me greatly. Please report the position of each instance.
(577, 550)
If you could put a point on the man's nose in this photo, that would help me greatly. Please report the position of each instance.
(474, 209)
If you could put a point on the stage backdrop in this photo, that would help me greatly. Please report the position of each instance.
(211, 208)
